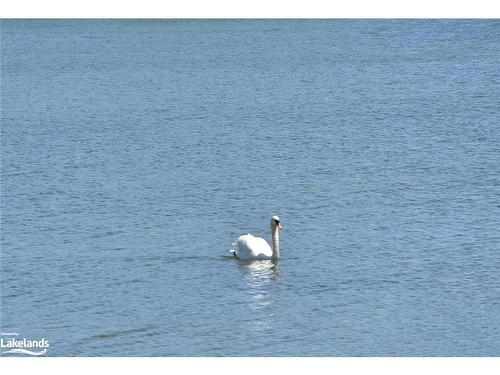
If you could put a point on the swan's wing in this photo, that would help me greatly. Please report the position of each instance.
(251, 247)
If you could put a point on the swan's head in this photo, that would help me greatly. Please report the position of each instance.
(275, 222)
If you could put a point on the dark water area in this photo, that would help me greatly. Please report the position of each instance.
(133, 153)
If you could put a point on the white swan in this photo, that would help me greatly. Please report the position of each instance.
(251, 247)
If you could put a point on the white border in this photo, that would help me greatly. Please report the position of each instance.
(249, 9)
(253, 366)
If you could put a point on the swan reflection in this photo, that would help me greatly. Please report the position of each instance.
(260, 271)
(260, 276)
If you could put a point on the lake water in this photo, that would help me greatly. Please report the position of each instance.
(135, 152)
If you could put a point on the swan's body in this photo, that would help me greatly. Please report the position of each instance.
(250, 247)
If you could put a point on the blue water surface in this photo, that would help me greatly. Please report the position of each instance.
(133, 153)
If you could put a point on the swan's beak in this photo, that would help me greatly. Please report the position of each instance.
(280, 226)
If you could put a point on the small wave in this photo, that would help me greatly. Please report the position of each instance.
(106, 234)
(113, 334)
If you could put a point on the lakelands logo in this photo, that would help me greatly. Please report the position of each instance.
(10, 343)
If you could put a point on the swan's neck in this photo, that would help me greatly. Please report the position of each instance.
(275, 239)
